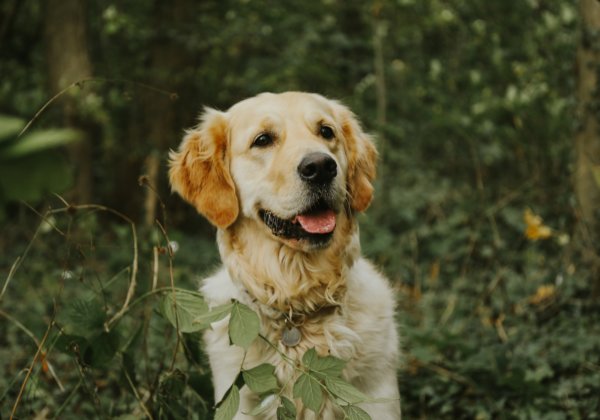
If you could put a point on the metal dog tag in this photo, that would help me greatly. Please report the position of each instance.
(291, 336)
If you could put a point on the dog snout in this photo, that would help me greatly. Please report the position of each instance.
(317, 168)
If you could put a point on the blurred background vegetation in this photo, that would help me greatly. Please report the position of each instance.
(485, 218)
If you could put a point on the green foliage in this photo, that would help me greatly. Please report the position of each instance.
(323, 367)
(353, 412)
(244, 325)
(308, 389)
(479, 121)
(182, 307)
(261, 378)
(30, 168)
(229, 406)
(287, 410)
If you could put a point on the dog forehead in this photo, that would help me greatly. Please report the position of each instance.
(278, 108)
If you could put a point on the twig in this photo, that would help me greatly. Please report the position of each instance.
(19, 260)
(33, 362)
(80, 83)
(178, 334)
(67, 400)
(43, 217)
(172, 281)
(11, 273)
(154, 267)
(28, 332)
(134, 265)
(20, 326)
(135, 393)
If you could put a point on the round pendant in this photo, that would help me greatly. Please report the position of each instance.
(291, 336)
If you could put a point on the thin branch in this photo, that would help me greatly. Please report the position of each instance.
(68, 399)
(154, 267)
(82, 82)
(135, 393)
(20, 259)
(30, 371)
(134, 265)
(172, 282)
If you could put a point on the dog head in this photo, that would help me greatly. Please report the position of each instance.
(293, 163)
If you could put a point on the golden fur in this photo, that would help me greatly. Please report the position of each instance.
(218, 170)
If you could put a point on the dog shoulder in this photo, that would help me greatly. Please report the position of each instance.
(371, 304)
(369, 288)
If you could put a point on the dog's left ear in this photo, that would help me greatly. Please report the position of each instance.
(199, 171)
(362, 159)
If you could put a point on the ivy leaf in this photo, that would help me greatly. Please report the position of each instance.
(228, 407)
(344, 390)
(323, 366)
(215, 314)
(261, 378)
(309, 390)
(182, 308)
(287, 410)
(355, 413)
(267, 402)
(244, 325)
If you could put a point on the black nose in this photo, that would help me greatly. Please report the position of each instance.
(318, 168)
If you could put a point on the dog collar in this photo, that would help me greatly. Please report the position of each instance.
(291, 334)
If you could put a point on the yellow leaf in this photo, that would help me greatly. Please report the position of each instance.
(543, 294)
(535, 228)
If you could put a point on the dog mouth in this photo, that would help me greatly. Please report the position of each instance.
(315, 224)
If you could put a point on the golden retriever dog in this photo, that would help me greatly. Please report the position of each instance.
(282, 177)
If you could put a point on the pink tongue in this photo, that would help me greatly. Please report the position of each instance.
(321, 222)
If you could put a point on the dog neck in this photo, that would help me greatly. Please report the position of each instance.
(285, 279)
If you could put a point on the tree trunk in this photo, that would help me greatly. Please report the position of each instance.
(587, 139)
(160, 112)
(68, 62)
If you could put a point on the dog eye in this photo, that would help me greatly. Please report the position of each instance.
(326, 132)
(263, 140)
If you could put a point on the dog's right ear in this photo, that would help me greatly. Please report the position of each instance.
(199, 171)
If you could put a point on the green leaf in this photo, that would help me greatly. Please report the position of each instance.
(171, 385)
(39, 141)
(355, 413)
(265, 403)
(323, 366)
(84, 318)
(261, 378)
(30, 177)
(182, 308)
(244, 325)
(287, 409)
(102, 348)
(229, 406)
(282, 414)
(309, 390)
(345, 391)
(10, 127)
(215, 314)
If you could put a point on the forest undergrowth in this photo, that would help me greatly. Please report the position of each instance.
(85, 333)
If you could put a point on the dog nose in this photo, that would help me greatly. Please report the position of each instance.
(318, 168)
